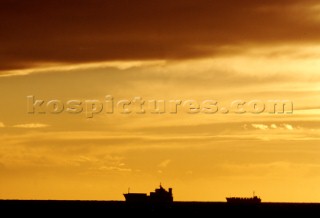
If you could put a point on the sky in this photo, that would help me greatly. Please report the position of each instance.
(83, 83)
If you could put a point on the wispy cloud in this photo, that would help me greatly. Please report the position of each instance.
(2, 125)
(164, 163)
(120, 65)
(31, 125)
(272, 126)
(288, 126)
(113, 168)
(260, 126)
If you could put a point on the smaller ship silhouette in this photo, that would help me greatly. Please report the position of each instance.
(244, 200)
(160, 195)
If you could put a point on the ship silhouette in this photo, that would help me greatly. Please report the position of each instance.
(160, 195)
(244, 200)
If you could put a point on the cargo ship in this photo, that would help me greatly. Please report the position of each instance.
(160, 195)
(248, 200)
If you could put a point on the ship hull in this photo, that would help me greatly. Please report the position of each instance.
(236, 200)
(136, 197)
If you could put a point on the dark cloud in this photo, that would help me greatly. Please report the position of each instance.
(75, 31)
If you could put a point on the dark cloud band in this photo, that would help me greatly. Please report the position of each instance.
(77, 31)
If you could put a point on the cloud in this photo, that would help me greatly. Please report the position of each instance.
(288, 126)
(260, 126)
(273, 126)
(164, 163)
(2, 125)
(119, 65)
(31, 125)
(112, 168)
(139, 30)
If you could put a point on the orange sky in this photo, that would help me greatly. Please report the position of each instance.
(182, 50)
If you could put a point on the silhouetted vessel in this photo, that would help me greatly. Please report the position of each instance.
(160, 195)
(240, 200)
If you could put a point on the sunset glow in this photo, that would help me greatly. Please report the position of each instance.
(197, 50)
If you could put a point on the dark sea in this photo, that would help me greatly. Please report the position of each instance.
(49, 208)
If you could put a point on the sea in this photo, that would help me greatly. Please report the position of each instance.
(57, 208)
